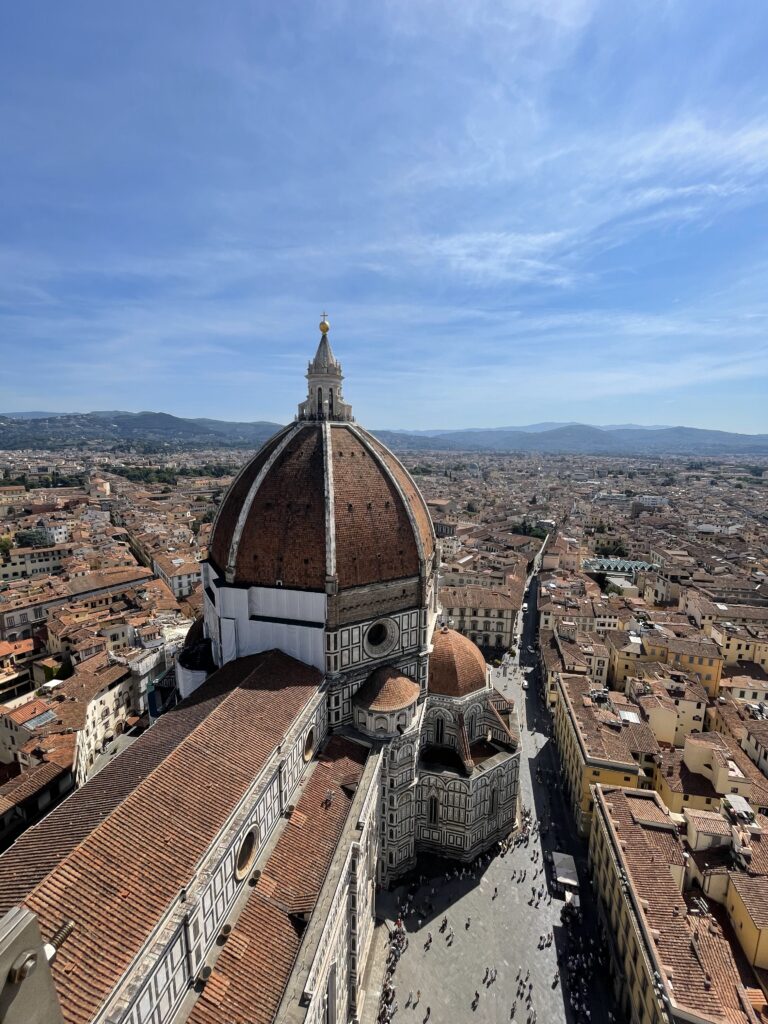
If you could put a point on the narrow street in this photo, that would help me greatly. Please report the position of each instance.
(494, 921)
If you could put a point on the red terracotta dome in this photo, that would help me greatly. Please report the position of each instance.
(386, 689)
(456, 665)
(322, 503)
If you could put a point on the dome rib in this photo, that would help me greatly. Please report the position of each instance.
(456, 665)
(322, 507)
(375, 539)
(413, 499)
(227, 515)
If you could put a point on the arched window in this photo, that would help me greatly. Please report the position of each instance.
(330, 402)
(438, 730)
(472, 724)
(319, 401)
(329, 1009)
(492, 802)
(434, 810)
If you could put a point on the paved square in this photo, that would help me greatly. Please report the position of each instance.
(504, 928)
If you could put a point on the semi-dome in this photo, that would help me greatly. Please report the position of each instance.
(386, 689)
(456, 665)
(323, 506)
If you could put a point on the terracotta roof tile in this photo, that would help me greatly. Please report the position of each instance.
(229, 510)
(687, 948)
(456, 665)
(128, 867)
(251, 974)
(386, 689)
(375, 540)
(284, 536)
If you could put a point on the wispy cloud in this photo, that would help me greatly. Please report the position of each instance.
(518, 205)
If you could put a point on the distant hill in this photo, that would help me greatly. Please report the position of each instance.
(578, 438)
(115, 427)
(159, 428)
(29, 415)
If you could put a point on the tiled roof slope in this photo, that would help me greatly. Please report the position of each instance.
(412, 494)
(40, 849)
(375, 540)
(284, 534)
(117, 881)
(690, 947)
(234, 499)
(456, 665)
(386, 689)
(379, 516)
(254, 967)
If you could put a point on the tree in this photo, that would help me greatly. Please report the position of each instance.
(611, 549)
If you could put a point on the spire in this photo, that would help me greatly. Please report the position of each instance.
(324, 398)
(324, 357)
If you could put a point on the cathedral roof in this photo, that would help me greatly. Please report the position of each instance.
(386, 689)
(114, 856)
(456, 665)
(322, 503)
(254, 967)
(323, 506)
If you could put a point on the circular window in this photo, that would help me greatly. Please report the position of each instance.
(309, 745)
(380, 638)
(246, 855)
(377, 634)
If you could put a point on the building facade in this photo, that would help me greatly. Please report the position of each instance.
(327, 734)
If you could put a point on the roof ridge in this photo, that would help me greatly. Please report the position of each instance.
(142, 782)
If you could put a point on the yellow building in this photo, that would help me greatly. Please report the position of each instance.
(594, 745)
(666, 963)
(740, 644)
(572, 651)
(747, 903)
(710, 766)
(697, 656)
(673, 704)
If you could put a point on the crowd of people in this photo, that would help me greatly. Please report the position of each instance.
(398, 943)
(579, 959)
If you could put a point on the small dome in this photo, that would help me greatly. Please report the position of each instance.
(195, 633)
(456, 665)
(386, 689)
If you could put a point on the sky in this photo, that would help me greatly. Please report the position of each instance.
(512, 212)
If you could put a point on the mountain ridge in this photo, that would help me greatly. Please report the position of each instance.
(115, 427)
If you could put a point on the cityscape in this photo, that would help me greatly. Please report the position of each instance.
(498, 730)
(384, 512)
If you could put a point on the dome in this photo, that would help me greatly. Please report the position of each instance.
(195, 633)
(322, 506)
(386, 689)
(456, 665)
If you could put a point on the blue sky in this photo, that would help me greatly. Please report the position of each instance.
(512, 212)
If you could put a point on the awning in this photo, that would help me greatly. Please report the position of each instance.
(565, 869)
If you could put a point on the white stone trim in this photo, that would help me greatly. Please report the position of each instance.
(246, 508)
(360, 435)
(330, 511)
